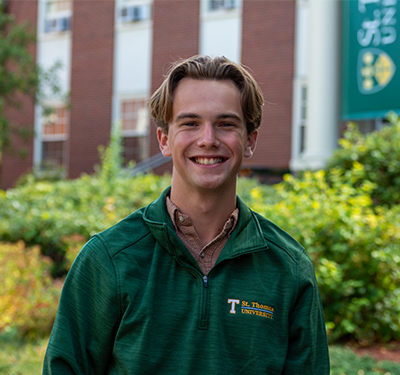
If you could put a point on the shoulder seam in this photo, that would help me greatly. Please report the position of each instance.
(284, 248)
(101, 237)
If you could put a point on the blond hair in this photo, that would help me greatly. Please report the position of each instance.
(203, 68)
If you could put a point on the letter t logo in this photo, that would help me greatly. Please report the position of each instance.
(233, 303)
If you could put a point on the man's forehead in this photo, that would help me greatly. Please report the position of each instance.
(206, 98)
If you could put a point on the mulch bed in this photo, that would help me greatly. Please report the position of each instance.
(381, 352)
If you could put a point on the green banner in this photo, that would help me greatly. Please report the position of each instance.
(371, 58)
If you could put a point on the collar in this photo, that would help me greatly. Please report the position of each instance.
(247, 236)
(180, 220)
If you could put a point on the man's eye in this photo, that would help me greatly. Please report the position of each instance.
(189, 124)
(226, 124)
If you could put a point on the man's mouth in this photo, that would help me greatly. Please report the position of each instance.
(208, 161)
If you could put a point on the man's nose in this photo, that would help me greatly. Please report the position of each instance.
(208, 136)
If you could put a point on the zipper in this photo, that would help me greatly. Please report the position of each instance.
(204, 309)
(204, 302)
(203, 323)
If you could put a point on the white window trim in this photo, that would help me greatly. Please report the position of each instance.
(297, 121)
(54, 137)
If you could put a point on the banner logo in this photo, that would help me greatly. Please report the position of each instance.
(375, 69)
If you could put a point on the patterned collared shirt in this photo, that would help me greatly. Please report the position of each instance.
(207, 255)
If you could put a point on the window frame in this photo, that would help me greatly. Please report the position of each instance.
(140, 114)
(53, 120)
(62, 19)
(132, 7)
(224, 5)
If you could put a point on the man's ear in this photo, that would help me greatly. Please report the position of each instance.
(251, 144)
(162, 137)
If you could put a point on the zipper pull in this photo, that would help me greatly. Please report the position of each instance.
(205, 280)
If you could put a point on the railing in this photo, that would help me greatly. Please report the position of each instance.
(150, 163)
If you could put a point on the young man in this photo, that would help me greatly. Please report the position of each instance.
(196, 282)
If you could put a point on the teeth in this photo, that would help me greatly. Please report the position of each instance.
(208, 161)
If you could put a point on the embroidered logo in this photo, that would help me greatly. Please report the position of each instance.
(251, 308)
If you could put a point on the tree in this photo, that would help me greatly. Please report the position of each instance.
(19, 73)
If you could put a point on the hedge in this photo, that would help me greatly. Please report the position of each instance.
(348, 223)
(28, 295)
(374, 157)
(355, 248)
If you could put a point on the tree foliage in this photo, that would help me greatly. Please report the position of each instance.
(20, 76)
(19, 73)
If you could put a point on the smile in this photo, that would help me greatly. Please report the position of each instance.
(208, 161)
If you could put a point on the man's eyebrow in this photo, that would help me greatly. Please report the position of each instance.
(196, 116)
(229, 115)
(187, 115)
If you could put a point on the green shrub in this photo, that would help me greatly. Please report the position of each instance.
(50, 213)
(44, 213)
(374, 157)
(250, 188)
(353, 242)
(28, 297)
(354, 246)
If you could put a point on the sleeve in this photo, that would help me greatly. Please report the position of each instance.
(308, 351)
(87, 318)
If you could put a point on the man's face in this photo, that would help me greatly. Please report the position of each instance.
(207, 136)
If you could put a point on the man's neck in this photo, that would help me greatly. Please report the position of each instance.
(208, 211)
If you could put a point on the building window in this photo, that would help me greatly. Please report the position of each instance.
(134, 149)
(58, 16)
(134, 116)
(303, 117)
(55, 137)
(55, 124)
(53, 154)
(214, 5)
(134, 11)
(135, 124)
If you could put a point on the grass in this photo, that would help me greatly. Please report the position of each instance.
(25, 357)
(21, 357)
(345, 362)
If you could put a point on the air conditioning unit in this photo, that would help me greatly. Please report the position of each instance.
(57, 24)
(134, 13)
(222, 4)
(229, 4)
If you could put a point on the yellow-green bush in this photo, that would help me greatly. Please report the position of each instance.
(28, 295)
(353, 242)
(355, 248)
(374, 158)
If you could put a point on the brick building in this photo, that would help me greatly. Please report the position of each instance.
(114, 54)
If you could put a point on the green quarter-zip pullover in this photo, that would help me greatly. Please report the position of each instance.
(136, 302)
